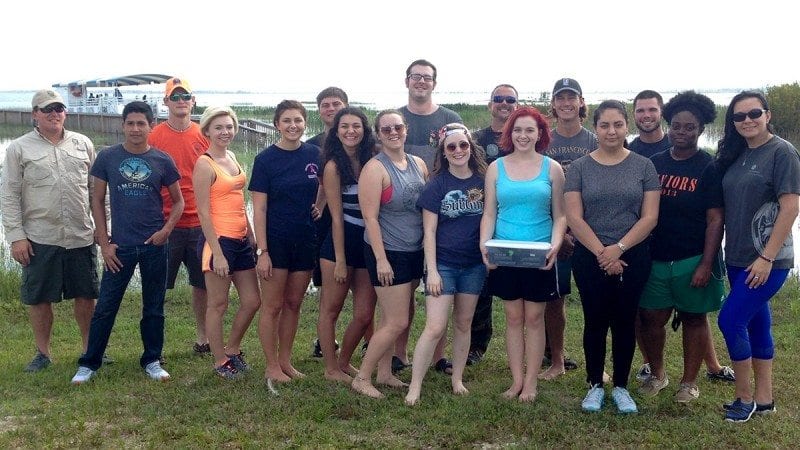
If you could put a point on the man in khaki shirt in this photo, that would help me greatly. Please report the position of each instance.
(47, 222)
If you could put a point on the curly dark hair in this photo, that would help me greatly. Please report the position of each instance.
(699, 105)
(333, 150)
(732, 143)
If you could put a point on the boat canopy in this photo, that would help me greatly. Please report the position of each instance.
(127, 80)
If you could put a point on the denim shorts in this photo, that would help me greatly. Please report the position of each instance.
(460, 279)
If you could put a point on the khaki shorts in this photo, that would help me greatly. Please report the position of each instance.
(669, 286)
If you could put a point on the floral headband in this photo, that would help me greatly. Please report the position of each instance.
(447, 130)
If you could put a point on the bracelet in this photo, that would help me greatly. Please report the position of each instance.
(771, 261)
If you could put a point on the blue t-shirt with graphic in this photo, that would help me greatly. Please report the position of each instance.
(134, 186)
(289, 178)
(459, 204)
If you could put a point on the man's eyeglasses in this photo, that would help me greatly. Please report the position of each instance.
(176, 97)
(387, 129)
(59, 108)
(463, 145)
(754, 114)
(504, 98)
(417, 77)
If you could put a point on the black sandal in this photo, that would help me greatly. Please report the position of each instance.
(444, 365)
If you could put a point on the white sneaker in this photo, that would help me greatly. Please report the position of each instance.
(83, 375)
(155, 371)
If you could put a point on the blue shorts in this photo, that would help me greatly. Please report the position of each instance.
(460, 279)
(238, 252)
(353, 246)
(295, 255)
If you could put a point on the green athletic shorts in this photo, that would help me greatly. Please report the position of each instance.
(669, 286)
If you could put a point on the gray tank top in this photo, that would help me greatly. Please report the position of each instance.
(400, 218)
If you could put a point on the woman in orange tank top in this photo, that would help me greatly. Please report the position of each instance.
(227, 251)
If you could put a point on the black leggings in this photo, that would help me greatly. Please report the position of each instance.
(610, 301)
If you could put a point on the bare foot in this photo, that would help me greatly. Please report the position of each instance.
(392, 382)
(606, 377)
(528, 395)
(512, 392)
(350, 370)
(412, 398)
(459, 388)
(338, 375)
(552, 373)
(276, 375)
(364, 387)
(293, 373)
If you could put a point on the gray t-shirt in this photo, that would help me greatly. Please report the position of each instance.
(423, 132)
(751, 187)
(612, 195)
(565, 150)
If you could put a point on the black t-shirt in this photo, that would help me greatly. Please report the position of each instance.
(489, 139)
(647, 149)
(688, 189)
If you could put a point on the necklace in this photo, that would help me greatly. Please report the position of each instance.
(746, 155)
(177, 130)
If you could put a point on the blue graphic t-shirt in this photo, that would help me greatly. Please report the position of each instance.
(289, 178)
(459, 204)
(134, 186)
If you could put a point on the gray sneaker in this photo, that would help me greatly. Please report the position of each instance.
(39, 362)
(83, 375)
(653, 385)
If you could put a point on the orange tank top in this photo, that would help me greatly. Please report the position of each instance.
(226, 202)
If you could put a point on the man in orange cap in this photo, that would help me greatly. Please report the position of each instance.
(182, 139)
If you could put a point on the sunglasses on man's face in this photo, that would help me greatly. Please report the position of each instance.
(176, 97)
(53, 108)
(504, 98)
(754, 114)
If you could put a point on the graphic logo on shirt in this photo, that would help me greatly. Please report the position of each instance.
(135, 169)
(671, 185)
(456, 203)
(761, 230)
(312, 170)
(492, 150)
(411, 194)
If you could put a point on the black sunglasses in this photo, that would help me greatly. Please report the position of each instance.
(754, 114)
(185, 97)
(53, 108)
(504, 98)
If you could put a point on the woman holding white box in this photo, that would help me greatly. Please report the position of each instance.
(524, 202)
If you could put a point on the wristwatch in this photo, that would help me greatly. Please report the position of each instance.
(260, 251)
(622, 246)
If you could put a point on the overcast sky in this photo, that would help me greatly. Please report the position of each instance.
(364, 46)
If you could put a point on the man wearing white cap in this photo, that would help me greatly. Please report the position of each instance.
(182, 139)
(47, 221)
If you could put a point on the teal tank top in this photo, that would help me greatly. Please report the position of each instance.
(523, 206)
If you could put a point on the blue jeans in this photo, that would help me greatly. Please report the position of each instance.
(152, 261)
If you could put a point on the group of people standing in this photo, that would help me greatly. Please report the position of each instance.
(418, 196)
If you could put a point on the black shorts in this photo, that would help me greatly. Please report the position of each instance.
(407, 266)
(533, 285)
(57, 273)
(238, 252)
(353, 246)
(323, 226)
(183, 244)
(295, 255)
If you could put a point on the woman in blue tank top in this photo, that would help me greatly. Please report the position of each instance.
(524, 202)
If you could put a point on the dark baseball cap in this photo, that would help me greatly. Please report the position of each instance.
(567, 84)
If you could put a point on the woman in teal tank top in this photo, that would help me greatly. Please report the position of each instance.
(524, 201)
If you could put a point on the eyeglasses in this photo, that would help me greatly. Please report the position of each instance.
(53, 108)
(463, 145)
(754, 114)
(504, 98)
(387, 129)
(417, 77)
(176, 97)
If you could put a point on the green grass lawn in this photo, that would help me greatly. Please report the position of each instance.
(122, 408)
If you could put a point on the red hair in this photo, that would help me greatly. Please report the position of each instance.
(544, 130)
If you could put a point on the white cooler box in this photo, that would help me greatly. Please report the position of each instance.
(518, 253)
